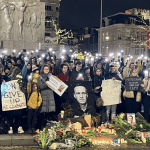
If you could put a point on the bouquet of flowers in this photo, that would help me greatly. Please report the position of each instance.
(45, 137)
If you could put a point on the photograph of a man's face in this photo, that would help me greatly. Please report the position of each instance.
(80, 94)
(81, 98)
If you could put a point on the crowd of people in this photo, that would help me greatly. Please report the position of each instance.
(42, 101)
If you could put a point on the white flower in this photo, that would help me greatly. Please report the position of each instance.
(19, 76)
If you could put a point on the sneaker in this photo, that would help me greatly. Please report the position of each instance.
(20, 130)
(29, 131)
(10, 131)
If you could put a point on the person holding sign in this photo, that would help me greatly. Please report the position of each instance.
(132, 98)
(112, 74)
(48, 101)
(146, 100)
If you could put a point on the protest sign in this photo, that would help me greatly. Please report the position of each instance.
(56, 85)
(111, 92)
(12, 97)
(133, 83)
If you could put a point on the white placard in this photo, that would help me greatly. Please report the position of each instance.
(12, 97)
(111, 92)
(56, 85)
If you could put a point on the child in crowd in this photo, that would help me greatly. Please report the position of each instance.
(34, 103)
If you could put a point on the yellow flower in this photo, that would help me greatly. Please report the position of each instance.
(144, 140)
(141, 126)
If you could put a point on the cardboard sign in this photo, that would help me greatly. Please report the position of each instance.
(133, 83)
(12, 97)
(56, 85)
(111, 92)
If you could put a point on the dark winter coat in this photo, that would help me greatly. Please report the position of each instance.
(78, 112)
(75, 74)
(87, 77)
(97, 81)
(111, 75)
(48, 102)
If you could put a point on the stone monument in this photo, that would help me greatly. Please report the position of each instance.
(22, 24)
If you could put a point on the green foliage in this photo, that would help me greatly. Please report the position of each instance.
(142, 125)
(125, 130)
(82, 142)
(147, 140)
(90, 133)
(105, 134)
(68, 111)
(46, 137)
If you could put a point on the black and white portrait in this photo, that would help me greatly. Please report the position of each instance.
(81, 98)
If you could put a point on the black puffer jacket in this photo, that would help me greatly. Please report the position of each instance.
(110, 75)
(97, 81)
(75, 74)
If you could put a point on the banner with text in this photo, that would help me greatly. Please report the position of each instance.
(12, 97)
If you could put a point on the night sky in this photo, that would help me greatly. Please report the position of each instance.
(76, 14)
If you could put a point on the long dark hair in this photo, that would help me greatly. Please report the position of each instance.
(38, 90)
(42, 69)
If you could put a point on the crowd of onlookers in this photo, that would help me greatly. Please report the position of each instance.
(41, 100)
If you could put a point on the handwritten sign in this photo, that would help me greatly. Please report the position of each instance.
(133, 83)
(113, 87)
(56, 85)
(12, 97)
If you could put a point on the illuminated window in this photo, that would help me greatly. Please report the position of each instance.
(107, 38)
